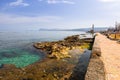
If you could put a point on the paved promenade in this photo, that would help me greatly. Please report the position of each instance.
(110, 52)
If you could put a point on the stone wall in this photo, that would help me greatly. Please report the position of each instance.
(95, 70)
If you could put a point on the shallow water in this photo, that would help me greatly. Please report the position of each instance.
(16, 47)
(81, 67)
(19, 56)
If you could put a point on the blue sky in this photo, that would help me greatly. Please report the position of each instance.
(35, 14)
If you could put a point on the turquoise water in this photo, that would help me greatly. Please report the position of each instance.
(20, 58)
(16, 47)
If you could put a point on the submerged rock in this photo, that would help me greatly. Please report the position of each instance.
(9, 54)
(7, 66)
(1, 66)
(60, 49)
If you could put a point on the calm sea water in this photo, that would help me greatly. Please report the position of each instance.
(16, 47)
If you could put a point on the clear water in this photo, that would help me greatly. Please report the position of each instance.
(16, 47)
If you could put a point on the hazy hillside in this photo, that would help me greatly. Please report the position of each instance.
(80, 29)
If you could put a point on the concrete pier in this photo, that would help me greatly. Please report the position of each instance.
(105, 60)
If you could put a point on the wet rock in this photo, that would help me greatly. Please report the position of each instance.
(60, 49)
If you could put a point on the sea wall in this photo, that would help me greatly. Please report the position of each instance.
(95, 70)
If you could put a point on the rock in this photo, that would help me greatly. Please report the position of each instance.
(8, 66)
(72, 38)
(1, 65)
(60, 49)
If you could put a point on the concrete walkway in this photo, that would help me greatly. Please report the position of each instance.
(110, 54)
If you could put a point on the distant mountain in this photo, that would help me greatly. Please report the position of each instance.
(80, 29)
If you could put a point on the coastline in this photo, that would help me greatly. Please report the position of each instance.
(57, 69)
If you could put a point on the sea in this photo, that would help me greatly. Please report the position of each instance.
(16, 47)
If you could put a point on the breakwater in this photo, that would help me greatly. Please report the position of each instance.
(104, 59)
(95, 70)
(109, 66)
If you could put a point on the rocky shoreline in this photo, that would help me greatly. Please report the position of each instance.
(62, 57)
(60, 49)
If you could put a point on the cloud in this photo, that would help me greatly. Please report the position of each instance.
(18, 3)
(107, 1)
(15, 19)
(113, 5)
(68, 2)
(59, 1)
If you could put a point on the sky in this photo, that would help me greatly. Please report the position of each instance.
(59, 14)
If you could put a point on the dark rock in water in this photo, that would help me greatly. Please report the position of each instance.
(1, 65)
(9, 54)
(47, 70)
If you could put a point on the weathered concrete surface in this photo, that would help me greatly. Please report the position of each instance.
(95, 70)
(110, 56)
